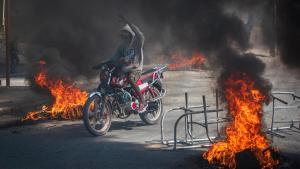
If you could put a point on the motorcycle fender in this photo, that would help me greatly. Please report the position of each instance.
(95, 93)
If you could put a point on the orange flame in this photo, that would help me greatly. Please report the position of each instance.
(68, 99)
(245, 103)
(182, 62)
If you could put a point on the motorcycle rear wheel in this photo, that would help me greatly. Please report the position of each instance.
(153, 117)
(97, 116)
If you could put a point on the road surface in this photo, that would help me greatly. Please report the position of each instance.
(129, 143)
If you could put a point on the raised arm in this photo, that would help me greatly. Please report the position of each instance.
(137, 32)
(134, 28)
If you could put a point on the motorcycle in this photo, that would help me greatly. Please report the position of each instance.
(115, 97)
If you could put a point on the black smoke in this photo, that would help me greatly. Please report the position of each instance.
(201, 25)
(243, 64)
(288, 13)
(207, 27)
(81, 33)
(73, 35)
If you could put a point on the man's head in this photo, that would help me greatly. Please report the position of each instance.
(127, 34)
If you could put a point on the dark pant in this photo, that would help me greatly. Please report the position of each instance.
(133, 77)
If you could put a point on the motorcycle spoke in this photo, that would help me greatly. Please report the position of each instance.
(96, 110)
(94, 124)
(97, 124)
(92, 114)
(98, 121)
(153, 114)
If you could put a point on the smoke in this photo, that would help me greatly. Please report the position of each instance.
(214, 28)
(70, 35)
(243, 63)
(73, 35)
(201, 25)
(288, 32)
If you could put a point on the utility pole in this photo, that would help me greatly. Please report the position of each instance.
(6, 7)
(275, 43)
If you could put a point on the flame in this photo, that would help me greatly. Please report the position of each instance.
(68, 99)
(245, 104)
(182, 62)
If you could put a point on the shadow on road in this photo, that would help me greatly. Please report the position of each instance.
(60, 146)
(126, 125)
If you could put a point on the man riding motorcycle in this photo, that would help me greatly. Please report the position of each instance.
(129, 58)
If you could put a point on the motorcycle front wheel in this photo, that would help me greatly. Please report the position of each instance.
(97, 115)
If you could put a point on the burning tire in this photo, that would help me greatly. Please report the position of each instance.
(97, 115)
(154, 111)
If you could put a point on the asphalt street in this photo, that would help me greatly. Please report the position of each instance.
(130, 143)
